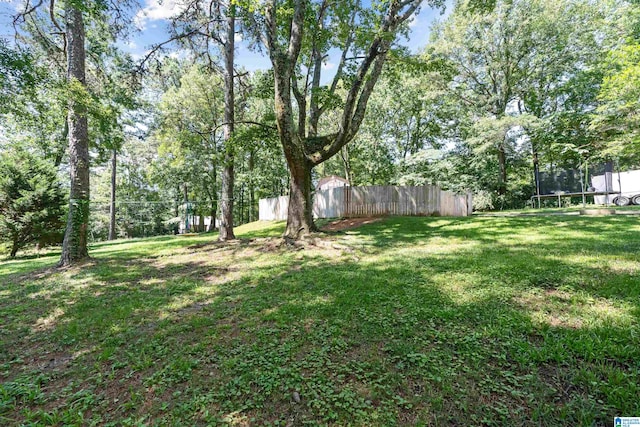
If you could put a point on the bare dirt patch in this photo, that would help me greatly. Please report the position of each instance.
(349, 223)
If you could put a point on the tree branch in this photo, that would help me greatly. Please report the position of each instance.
(159, 46)
(362, 87)
(52, 5)
(316, 58)
(295, 38)
(343, 57)
(244, 122)
(271, 35)
(301, 99)
(27, 11)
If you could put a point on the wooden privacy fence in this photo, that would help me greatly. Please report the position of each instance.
(350, 202)
(274, 209)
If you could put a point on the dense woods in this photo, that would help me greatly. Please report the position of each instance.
(183, 138)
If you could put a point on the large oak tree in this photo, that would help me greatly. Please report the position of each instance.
(298, 36)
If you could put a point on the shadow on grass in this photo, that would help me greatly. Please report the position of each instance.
(118, 242)
(607, 235)
(20, 257)
(22, 267)
(391, 333)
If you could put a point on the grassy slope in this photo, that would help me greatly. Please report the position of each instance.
(408, 321)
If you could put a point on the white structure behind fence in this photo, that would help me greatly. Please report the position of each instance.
(350, 202)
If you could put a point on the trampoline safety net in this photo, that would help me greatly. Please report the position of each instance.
(556, 179)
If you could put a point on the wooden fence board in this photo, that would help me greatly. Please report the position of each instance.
(347, 202)
(274, 209)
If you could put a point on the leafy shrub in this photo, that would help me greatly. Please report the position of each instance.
(32, 201)
(483, 201)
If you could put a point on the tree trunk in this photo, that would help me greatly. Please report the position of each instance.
(502, 161)
(201, 220)
(214, 202)
(536, 171)
(112, 205)
(252, 202)
(251, 214)
(346, 161)
(300, 212)
(176, 228)
(74, 246)
(14, 249)
(252, 190)
(212, 225)
(187, 226)
(241, 210)
(304, 152)
(62, 148)
(226, 203)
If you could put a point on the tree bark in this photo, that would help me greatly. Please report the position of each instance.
(61, 149)
(300, 210)
(185, 190)
(226, 202)
(346, 161)
(502, 153)
(201, 220)
(252, 190)
(502, 161)
(74, 246)
(176, 228)
(299, 213)
(536, 171)
(214, 202)
(112, 204)
(14, 249)
(242, 206)
(212, 225)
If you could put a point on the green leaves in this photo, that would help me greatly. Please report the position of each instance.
(31, 200)
(618, 118)
(18, 75)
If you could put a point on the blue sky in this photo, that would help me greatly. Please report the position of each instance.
(152, 20)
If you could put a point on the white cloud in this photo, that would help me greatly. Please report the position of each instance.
(136, 56)
(17, 5)
(414, 21)
(179, 54)
(155, 10)
(328, 66)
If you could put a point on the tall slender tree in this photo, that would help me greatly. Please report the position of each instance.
(63, 44)
(228, 46)
(112, 196)
(74, 247)
(205, 27)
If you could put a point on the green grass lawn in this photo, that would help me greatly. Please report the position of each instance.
(407, 321)
(630, 210)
